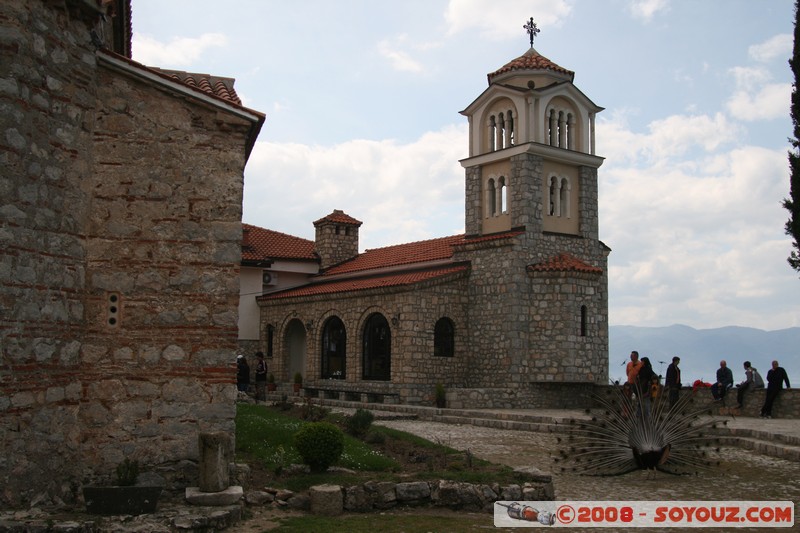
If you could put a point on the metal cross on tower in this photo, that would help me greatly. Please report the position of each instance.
(532, 30)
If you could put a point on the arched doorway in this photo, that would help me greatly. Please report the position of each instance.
(377, 348)
(295, 339)
(334, 349)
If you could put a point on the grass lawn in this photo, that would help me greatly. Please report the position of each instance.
(264, 441)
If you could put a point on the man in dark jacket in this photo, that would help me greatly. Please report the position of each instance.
(673, 380)
(775, 380)
(261, 377)
(724, 381)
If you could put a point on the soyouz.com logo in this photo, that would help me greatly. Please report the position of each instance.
(624, 514)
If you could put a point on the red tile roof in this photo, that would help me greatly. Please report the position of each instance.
(371, 282)
(564, 263)
(259, 244)
(398, 265)
(338, 217)
(215, 85)
(400, 254)
(530, 60)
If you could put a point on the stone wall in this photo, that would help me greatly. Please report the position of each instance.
(411, 316)
(787, 405)
(120, 231)
(530, 322)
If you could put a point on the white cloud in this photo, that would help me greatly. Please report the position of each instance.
(779, 46)
(668, 138)
(771, 101)
(755, 97)
(178, 52)
(699, 242)
(492, 18)
(402, 192)
(399, 59)
(645, 10)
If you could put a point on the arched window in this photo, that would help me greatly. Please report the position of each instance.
(491, 198)
(584, 325)
(560, 128)
(444, 338)
(334, 349)
(377, 348)
(554, 196)
(502, 194)
(558, 193)
(564, 191)
(492, 133)
(509, 129)
(499, 132)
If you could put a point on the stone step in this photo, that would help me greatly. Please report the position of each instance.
(772, 444)
(771, 449)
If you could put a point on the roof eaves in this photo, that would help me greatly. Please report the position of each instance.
(129, 66)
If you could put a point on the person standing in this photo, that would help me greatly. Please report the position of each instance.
(724, 381)
(673, 380)
(744, 385)
(776, 377)
(643, 382)
(261, 377)
(633, 368)
(242, 373)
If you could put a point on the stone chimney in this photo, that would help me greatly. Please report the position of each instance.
(336, 238)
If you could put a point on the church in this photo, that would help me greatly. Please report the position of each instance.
(512, 313)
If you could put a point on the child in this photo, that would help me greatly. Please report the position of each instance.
(655, 388)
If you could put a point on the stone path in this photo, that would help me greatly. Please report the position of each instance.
(744, 475)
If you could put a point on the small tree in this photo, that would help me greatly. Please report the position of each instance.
(359, 423)
(320, 444)
(792, 204)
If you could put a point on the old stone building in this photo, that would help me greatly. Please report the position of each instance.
(120, 223)
(512, 313)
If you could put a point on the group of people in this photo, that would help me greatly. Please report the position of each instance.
(776, 377)
(243, 375)
(641, 377)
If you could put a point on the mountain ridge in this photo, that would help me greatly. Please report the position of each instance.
(701, 350)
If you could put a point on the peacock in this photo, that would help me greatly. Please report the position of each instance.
(631, 432)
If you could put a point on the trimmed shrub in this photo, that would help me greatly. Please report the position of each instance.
(358, 425)
(320, 444)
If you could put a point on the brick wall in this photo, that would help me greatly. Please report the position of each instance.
(115, 194)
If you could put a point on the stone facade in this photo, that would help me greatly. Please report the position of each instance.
(529, 302)
(414, 371)
(121, 241)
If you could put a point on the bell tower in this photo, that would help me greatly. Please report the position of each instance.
(539, 279)
(531, 148)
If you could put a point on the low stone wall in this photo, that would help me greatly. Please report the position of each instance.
(371, 496)
(787, 405)
(579, 396)
(534, 396)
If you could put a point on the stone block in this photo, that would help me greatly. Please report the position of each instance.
(357, 499)
(411, 491)
(215, 456)
(258, 497)
(326, 500)
(229, 496)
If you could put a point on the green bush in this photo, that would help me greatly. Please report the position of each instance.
(320, 444)
(358, 425)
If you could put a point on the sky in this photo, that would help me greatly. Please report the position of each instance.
(362, 102)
